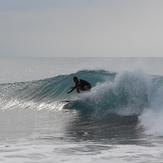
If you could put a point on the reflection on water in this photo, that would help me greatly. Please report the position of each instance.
(111, 129)
(16, 124)
(66, 135)
(69, 125)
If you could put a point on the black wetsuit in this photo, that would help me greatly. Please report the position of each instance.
(84, 85)
(81, 85)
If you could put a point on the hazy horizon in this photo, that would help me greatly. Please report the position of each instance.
(27, 69)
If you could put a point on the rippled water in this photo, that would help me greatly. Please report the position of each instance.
(68, 136)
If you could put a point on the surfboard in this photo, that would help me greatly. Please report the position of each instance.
(66, 101)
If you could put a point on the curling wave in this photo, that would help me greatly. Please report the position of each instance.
(128, 93)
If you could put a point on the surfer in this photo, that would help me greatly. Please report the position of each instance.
(80, 85)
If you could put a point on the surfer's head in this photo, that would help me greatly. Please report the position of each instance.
(75, 79)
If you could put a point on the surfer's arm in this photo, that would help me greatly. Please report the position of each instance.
(71, 90)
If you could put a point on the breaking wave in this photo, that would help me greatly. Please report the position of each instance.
(128, 93)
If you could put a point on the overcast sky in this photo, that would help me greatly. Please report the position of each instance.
(55, 28)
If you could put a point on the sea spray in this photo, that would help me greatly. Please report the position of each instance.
(152, 117)
(127, 94)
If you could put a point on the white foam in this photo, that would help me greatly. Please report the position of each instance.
(130, 86)
(152, 122)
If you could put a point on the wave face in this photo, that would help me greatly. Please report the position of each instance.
(46, 94)
(128, 93)
(125, 93)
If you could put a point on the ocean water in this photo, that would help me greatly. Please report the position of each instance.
(119, 120)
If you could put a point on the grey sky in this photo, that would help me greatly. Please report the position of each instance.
(50, 28)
